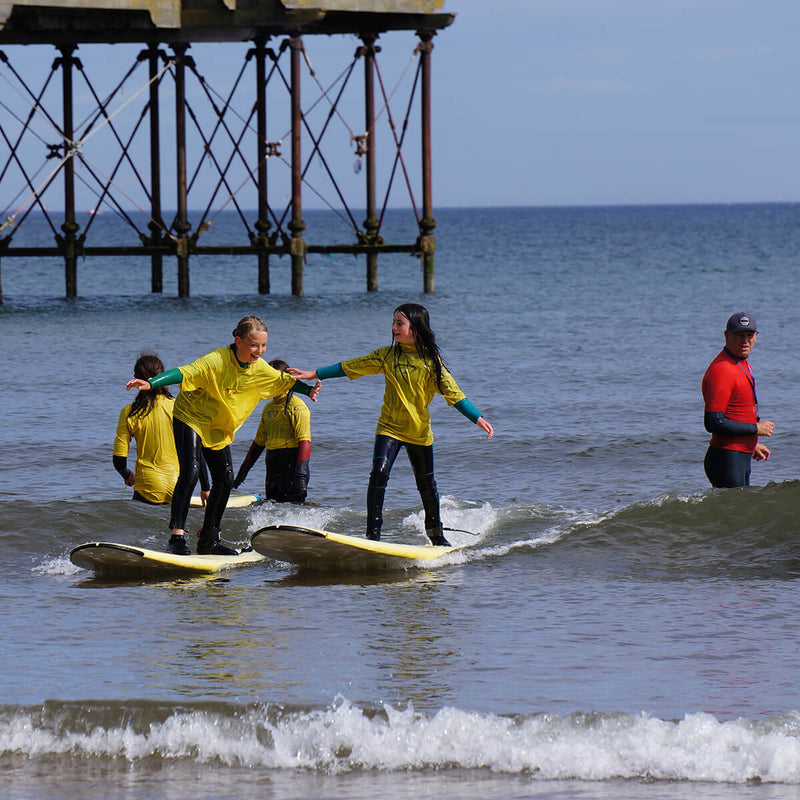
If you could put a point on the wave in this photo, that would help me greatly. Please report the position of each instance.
(749, 533)
(737, 534)
(345, 738)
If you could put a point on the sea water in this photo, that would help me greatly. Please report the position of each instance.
(614, 627)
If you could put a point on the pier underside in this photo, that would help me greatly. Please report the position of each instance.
(210, 106)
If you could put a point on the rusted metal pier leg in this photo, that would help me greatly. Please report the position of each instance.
(262, 224)
(156, 224)
(70, 226)
(371, 223)
(181, 225)
(427, 241)
(297, 226)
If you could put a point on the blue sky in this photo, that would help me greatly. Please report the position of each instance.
(536, 102)
(564, 102)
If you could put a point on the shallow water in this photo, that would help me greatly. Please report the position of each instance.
(614, 628)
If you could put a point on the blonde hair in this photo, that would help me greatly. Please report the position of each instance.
(248, 325)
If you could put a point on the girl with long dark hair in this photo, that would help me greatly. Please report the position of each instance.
(414, 372)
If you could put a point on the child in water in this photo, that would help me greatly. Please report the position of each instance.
(148, 420)
(218, 393)
(285, 431)
(414, 371)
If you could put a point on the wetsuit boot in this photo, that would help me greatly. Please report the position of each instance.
(436, 535)
(375, 495)
(177, 546)
(208, 544)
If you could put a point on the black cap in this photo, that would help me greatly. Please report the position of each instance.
(741, 321)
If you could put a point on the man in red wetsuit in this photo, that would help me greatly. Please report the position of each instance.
(731, 408)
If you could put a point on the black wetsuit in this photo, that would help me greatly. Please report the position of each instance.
(421, 458)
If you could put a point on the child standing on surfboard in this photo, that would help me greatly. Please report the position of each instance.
(285, 431)
(414, 372)
(148, 420)
(218, 393)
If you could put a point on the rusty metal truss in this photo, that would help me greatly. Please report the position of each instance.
(254, 137)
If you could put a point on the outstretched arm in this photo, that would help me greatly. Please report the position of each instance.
(167, 378)
(472, 413)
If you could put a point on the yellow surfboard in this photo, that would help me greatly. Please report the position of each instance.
(234, 501)
(325, 551)
(114, 560)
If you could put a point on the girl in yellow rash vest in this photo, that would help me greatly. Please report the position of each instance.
(218, 393)
(148, 420)
(285, 431)
(414, 371)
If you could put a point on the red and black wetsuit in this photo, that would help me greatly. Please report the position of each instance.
(731, 416)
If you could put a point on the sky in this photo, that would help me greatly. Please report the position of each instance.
(565, 102)
(576, 102)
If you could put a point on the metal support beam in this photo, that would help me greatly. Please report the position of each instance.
(262, 224)
(427, 224)
(181, 225)
(297, 226)
(371, 224)
(156, 224)
(69, 226)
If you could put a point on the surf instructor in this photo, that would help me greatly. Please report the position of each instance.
(731, 408)
(218, 393)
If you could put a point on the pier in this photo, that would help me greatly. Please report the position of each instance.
(164, 133)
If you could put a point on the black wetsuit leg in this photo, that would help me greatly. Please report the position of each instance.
(220, 465)
(281, 465)
(383, 457)
(421, 458)
(727, 469)
(188, 446)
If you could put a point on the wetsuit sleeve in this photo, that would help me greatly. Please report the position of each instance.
(302, 388)
(167, 378)
(468, 410)
(121, 466)
(333, 371)
(252, 456)
(717, 422)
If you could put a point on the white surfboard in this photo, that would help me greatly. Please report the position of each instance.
(111, 559)
(234, 501)
(328, 551)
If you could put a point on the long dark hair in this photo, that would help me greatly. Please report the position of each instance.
(282, 366)
(147, 366)
(424, 339)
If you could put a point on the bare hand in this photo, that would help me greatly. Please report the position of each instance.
(485, 425)
(131, 479)
(138, 383)
(761, 453)
(765, 427)
(204, 493)
(302, 374)
(315, 391)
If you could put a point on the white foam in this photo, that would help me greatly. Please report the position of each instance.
(344, 737)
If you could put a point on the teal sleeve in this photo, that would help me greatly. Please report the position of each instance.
(333, 371)
(468, 410)
(302, 388)
(166, 378)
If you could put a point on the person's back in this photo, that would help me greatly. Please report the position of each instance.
(148, 421)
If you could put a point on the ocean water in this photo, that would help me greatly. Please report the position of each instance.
(615, 629)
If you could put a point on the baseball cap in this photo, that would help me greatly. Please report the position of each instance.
(741, 321)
